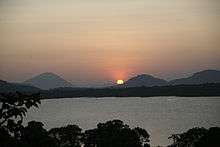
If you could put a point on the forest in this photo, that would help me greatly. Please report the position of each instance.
(175, 90)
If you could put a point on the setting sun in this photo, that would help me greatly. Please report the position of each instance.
(120, 82)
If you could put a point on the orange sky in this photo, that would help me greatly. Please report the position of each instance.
(96, 41)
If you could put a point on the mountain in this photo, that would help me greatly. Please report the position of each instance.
(2, 83)
(206, 76)
(48, 81)
(144, 80)
(202, 77)
(6, 87)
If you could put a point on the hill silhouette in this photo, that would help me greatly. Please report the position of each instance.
(6, 87)
(206, 76)
(204, 83)
(202, 77)
(144, 80)
(47, 81)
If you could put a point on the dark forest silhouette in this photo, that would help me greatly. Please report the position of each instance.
(209, 89)
(177, 90)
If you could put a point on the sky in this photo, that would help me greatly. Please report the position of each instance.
(100, 41)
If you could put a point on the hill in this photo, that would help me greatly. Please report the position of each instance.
(206, 76)
(48, 81)
(6, 87)
(144, 80)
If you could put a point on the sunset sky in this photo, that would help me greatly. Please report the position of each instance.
(97, 41)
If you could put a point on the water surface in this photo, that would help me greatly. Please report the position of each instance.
(160, 116)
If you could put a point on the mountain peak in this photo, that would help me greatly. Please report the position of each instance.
(144, 80)
(48, 80)
(202, 77)
(206, 72)
(144, 76)
(2, 82)
(48, 74)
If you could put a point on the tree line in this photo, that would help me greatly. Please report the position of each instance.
(175, 90)
(209, 89)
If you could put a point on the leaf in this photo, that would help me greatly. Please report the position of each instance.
(35, 105)
(19, 122)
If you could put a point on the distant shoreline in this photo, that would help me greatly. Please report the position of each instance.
(130, 97)
(203, 90)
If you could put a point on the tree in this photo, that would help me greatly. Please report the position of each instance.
(16, 105)
(115, 134)
(34, 135)
(197, 137)
(6, 140)
(13, 108)
(211, 138)
(143, 135)
(68, 136)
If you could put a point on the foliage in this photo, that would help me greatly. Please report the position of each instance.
(13, 108)
(6, 140)
(211, 138)
(115, 134)
(68, 136)
(16, 105)
(34, 135)
(197, 137)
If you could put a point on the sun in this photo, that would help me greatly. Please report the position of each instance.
(119, 82)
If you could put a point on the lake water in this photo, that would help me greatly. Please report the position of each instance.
(160, 116)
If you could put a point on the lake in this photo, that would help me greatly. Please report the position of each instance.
(160, 116)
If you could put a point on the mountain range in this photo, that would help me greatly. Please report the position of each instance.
(202, 77)
(46, 81)
(206, 76)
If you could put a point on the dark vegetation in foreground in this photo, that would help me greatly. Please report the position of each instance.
(109, 134)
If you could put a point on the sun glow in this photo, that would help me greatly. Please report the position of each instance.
(119, 82)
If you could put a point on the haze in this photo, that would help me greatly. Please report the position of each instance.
(97, 41)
